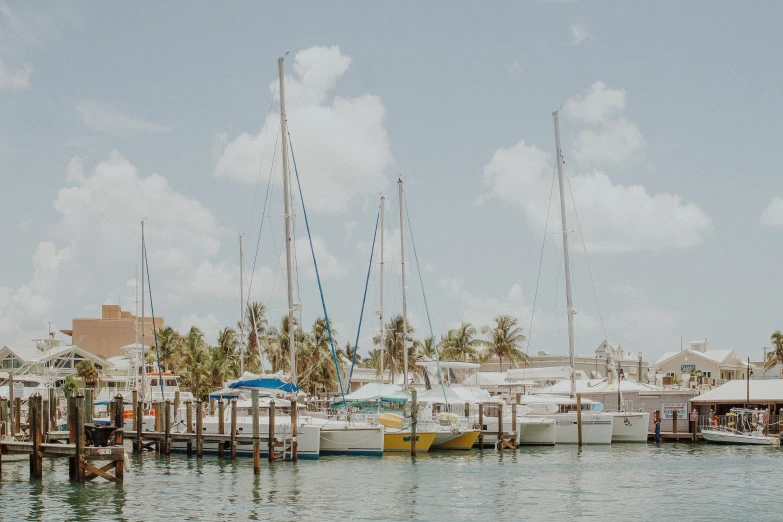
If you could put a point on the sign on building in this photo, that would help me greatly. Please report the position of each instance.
(669, 407)
(18, 390)
(687, 367)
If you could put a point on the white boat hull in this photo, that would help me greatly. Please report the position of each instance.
(536, 432)
(596, 427)
(727, 437)
(338, 439)
(630, 426)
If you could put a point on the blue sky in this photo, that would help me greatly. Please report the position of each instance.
(669, 121)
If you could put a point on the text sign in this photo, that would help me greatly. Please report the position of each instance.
(687, 367)
(669, 407)
(18, 390)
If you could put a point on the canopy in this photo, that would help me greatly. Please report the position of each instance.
(375, 391)
(600, 386)
(276, 382)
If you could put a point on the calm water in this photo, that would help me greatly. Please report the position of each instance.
(630, 482)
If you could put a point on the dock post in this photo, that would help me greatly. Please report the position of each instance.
(79, 438)
(514, 425)
(271, 457)
(167, 428)
(467, 410)
(579, 417)
(52, 413)
(674, 421)
(17, 415)
(256, 435)
(34, 421)
(89, 406)
(499, 442)
(70, 415)
(138, 421)
(44, 419)
(233, 428)
(176, 405)
(481, 425)
(294, 421)
(4, 427)
(414, 415)
(221, 425)
(119, 422)
(189, 424)
(134, 402)
(199, 429)
(11, 415)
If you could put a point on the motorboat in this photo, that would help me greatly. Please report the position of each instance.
(744, 429)
(597, 425)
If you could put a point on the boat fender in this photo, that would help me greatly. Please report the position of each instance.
(126, 461)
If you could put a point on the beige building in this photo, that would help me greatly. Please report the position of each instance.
(715, 366)
(116, 328)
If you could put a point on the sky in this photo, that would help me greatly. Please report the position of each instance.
(169, 112)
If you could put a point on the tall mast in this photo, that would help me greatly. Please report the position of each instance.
(404, 301)
(143, 350)
(241, 310)
(383, 337)
(569, 308)
(288, 240)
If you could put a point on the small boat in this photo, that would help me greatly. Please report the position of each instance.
(397, 437)
(745, 430)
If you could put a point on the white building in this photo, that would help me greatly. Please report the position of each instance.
(714, 366)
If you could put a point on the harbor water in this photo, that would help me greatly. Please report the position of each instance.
(679, 481)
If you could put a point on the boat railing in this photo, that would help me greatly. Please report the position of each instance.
(731, 421)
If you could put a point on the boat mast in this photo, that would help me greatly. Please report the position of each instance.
(288, 239)
(380, 313)
(143, 354)
(569, 308)
(404, 301)
(241, 310)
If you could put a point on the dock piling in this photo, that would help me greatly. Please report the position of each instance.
(481, 425)
(256, 435)
(499, 442)
(119, 422)
(271, 457)
(199, 429)
(34, 415)
(414, 415)
(89, 406)
(167, 427)
(233, 428)
(189, 424)
(579, 418)
(221, 425)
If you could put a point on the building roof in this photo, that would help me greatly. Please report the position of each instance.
(552, 373)
(718, 356)
(734, 392)
(24, 353)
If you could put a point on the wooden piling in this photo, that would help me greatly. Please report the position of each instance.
(138, 422)
(514, 425)
(5, 429)
(674, 421)
(481, 425)
(34, 416)
(11, 414)
(233, 428)
(199, 429)
(256, 435)
(271, 456)
(53, 409)
(119, 422)
(189, 424)
(467, 410)
(167, 427)
(79, 438)
(221, 425)
(44, 419)
(294, 421)
(499, 441)
(579, 417)
(17, 415)
(414, 412)
(176, 405)
(71, 424)
(89, 406)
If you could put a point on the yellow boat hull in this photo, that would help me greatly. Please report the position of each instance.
(401, 441)
(464, 442)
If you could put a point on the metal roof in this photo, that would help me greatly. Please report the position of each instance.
(761, 392)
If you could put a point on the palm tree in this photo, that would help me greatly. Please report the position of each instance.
(505, 339)
(427, 348)
(256, 325)
(315, 360)
(776, 355)
(392, 353)
(195, 359)
(88, 373)
(227, 347)
(218, 368)
(276, 344)
(169, 346)
(461, 344)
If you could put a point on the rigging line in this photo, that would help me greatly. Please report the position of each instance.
(540, 262)
(152, 311)
(317, 276)
(424, 295)
(261, 227)
(589, 269)
(364, 299)
(261, 162)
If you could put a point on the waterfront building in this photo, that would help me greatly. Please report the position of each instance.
(115, 328)
(698, 365)
(739, 394)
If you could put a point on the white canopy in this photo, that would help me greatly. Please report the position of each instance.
(599, 386)
(374, 391)
(734, 392)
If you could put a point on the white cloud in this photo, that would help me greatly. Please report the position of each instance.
(15, 80)
(328, 264)
(773, 214)
(579, 33)
(103, 117)
(342, 149)
(598, 106)
(514, 69)
(614, 218)
(617, 141)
